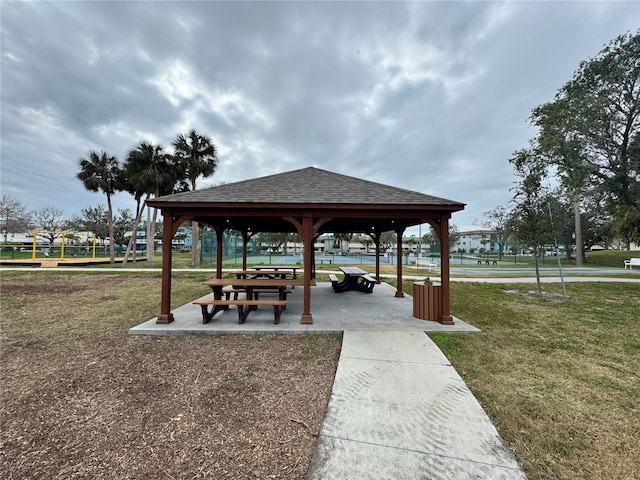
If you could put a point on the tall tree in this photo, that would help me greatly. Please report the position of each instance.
(147, 172)
(591, 131)
(273, 240)
(530, 219)
(122, 224)
(432, 239)
(13, 216)
(387, 240)
(101, 172)
(50, 223)
(195, 156)
(365, 240)
(496, 220)
(92, 219)
(343, 239)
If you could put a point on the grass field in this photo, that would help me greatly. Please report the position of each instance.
(559, 378)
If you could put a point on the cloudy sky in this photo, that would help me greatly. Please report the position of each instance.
(428, 96)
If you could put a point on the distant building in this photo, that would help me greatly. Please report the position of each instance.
(180, 241)
(477, 241)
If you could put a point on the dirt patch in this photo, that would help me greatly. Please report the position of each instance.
(97, 403)
(21, 289)
(550, 297)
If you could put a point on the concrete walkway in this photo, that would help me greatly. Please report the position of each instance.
(399, 410)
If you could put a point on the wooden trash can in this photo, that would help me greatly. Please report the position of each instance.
(427, 304)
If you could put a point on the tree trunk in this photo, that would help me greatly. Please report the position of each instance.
(535, 261)
(195, 236)
(195, 244)
(151, 232)
(112, 258)
(134, 233)
(579, 249)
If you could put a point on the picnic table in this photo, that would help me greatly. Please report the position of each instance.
(264, 274)
(293, 269)
(354, 279)
(253, 287)
(486, 262)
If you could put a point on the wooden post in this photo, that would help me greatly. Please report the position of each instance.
(399, 292)
(219, 232)
(165, 297)
(245, 241)
(376, 240)
(307, 239)
(445, 302)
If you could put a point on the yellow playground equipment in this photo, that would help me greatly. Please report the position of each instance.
(77, 250)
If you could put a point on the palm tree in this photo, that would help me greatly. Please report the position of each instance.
(195, 156)
(101, 172)
(146, 172)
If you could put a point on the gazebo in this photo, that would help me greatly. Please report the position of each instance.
(309, 201)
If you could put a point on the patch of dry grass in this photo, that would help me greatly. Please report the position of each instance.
(81, 398)
(560, 379)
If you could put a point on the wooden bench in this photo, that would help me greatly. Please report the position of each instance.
(631, 263)
(334, 279)
(369, 282)
(486, 262)
(244, 308)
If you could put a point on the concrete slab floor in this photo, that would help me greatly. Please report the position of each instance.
(332, 313)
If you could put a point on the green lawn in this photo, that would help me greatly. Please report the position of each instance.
(559, 378)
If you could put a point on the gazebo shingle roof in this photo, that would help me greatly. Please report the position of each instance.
(307, 186)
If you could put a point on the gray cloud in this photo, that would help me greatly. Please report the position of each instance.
(428, 96)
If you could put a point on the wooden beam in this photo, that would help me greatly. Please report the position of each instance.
(219, 232)
(307, 230)
(307, 240)
(246, 236)
(445, 299)
(165, 295)
(376, 240)
(399, 233)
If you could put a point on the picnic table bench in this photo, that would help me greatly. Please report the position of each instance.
(252, 287)
(277, 268)
(244, 308)
(486, 262)
(354, 279)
